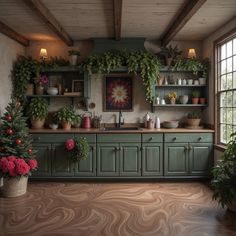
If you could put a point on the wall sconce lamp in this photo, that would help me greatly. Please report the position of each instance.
(43, 53)
(192, 53)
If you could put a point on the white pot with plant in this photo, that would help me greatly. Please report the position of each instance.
(74, 54)
(38, 111)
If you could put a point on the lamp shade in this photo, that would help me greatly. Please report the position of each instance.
(43, 53)
(191, 53)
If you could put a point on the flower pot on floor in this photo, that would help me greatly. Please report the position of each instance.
(14, 187)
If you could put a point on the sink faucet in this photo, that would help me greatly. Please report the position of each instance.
(121, 120)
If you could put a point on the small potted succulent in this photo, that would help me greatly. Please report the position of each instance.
(171, 96)
(73, 57)
(195, 96)
(224, 177)
(38, 111)
(66, 116)
(193, 119)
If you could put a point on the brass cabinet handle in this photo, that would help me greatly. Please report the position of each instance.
(185, 148)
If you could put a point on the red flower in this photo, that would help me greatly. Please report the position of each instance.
(22, 168)
(4, 164)
(11, 158)
(70, 144)
(33, 164)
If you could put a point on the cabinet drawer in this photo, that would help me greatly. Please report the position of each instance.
(112, 138)
(51, 138)
(91, 138)
(152, 138)
(189, 137)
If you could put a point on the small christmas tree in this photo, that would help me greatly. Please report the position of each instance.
(14, 136)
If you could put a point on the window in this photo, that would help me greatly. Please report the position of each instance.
(226, 88)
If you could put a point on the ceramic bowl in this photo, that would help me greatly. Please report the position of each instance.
(183, 99)
(52, 90)
(53, 126)
(170, 124)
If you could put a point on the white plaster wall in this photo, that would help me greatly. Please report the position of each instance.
(208, 51)
(9, 50)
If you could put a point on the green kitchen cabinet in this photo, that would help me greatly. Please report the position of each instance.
(44, 160)
(188, 155)
(152, 154)
(130, 159)
(62, 164)
(107, 159)
(87, 167)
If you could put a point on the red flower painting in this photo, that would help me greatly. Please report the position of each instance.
(118, 93)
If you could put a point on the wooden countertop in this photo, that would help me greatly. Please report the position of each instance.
(142, 130)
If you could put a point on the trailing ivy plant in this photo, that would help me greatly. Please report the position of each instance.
(138, 62)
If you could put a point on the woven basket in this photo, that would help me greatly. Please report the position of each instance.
(14, 187)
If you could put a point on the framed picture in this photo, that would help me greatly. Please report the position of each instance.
(78, 87)
(118, 93)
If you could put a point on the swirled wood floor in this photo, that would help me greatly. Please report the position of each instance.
(115, 209)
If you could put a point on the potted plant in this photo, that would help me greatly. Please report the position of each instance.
(38, 111)
(170, 53)
(195, 96)
(77, 121)
(193, 119)
(66, 115)
(40, 83)
(171, 96)
(224, 177)
(73, 57)
(78, 148)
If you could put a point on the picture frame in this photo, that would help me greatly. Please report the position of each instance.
(78, 87)
(118, 92)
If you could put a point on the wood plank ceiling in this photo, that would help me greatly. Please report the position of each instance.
(82, 19)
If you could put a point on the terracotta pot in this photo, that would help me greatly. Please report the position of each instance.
(232, 206)
(14, 187)
(172, 100)
(160, 81)
(29, 89)
(66, 125)
(195, 100)
(39, 89)
(202, 100)
(193, 122)
(37, 123)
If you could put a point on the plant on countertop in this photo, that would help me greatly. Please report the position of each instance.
(38, 108)
(193, 115)
(66, 114)
(78, 148)
(224, 175)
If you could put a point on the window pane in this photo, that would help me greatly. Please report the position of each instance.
(223, 67)
(223, 100)
(229, 65)
(234, 99)
(234, 116)
(229, 116)
(223, 116)
(229, 132)
(223, 133)
(229, 48)
(229, 99)
(234, 79)
(234, 46)
(234, 63)
(229, 81)
(223, 52)
(223, 83)
(234, 128)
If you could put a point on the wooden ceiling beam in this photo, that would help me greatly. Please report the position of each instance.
(41, 10)
(117, 11)
(189, 9)
(9, 32)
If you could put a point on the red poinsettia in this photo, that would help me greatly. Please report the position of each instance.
(13, 166)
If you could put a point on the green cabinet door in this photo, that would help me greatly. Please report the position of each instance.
(130, 159)
(44, 160)
(200, 158)
(62, 165)
(107, 159)
(176, 159)
(87, 167)
(152, 159)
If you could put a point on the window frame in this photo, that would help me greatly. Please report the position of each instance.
(217, 43)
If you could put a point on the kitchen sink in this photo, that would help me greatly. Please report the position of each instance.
(121, 128)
